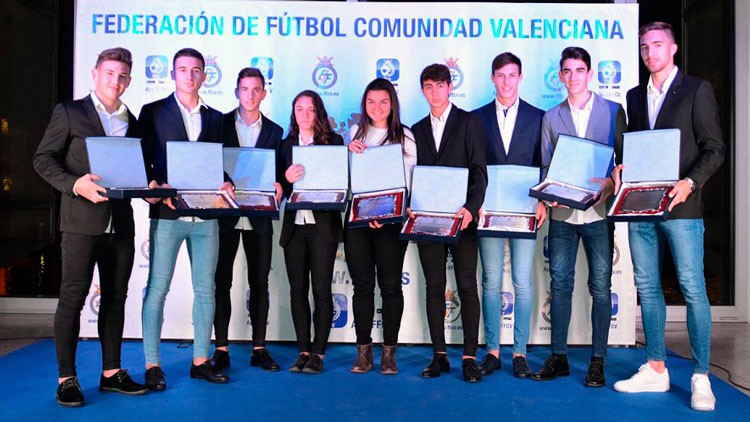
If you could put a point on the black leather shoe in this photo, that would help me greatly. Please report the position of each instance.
(314, 365)
(595, 375)
(520, 367)
(155, 379)
(472, 373)
(300, 363)
(437, 366)
(261, 357)
(489, 364)
(122, 383)
(69, 393)
(554, 367)
(207, 372)
(220, 359)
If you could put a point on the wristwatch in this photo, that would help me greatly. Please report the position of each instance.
(691, 182)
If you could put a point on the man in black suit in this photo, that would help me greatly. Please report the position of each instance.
(672, 99)
(452, 137)
(182, 116)
(246, 127)
(514, 129)
(95, 230)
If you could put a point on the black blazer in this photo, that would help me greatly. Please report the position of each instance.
(270, 138)
(690, 106)
(462, 145)
(61, 159)
(328, 223)
(161, 122)
(525, 150)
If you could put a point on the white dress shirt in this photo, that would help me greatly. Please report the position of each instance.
(193, 125)
(247, 135)
(438, 125)
(303, 217)
(656, 97)
(506, 121)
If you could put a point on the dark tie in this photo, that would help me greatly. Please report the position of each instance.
(505, 112)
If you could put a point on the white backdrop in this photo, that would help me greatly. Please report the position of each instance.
(336, 49)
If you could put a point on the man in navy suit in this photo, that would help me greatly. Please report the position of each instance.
(182, 116)
(246, 126)
(672, 99)
(513, 129)
(95, 230)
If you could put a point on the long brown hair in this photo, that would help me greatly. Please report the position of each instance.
(395, 128)
(322, 132)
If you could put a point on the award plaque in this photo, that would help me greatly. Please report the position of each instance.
(508, 225)
(434, 227)
(509, 211)
(205, 204)
(325, 184)
(317, 200)
(384, 207)
(257, 204)
(651, 160)
(253, 171)
(575, 162)
(378, 186)
(119, 163)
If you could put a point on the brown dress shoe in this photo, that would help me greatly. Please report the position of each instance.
(363, 363)
(388, 361)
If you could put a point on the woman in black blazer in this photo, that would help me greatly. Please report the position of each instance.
(377, 249)
(309, 238)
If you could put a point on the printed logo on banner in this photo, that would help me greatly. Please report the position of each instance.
(610, 72)
(213, 72)
(615, 258)
(546, 311)
(507, 300)
(340, 310)
(324, 75)
(405, 278)
(265, 65)
(457, 75)
(545, 247)
(157, 67)
(143, 294)
(388, 69)
(552, 77)
(452, 306)
(145, 249)
(95, 300)
(615, 306)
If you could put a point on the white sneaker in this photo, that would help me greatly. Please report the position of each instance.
(646, 380)
(702, 398)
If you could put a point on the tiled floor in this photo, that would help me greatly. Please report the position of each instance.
(729, 347)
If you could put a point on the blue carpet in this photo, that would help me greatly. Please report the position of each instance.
(30, 381)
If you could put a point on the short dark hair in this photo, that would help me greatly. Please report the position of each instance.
(576, 53)
(435, 72)
(656, 26)
(117, 54)
(189, 52)
(251, 72)
(504, 59)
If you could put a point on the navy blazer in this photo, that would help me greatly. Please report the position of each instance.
(690, 106)
(269, 138)
(525, 149)
(161, 122)
(61, 159)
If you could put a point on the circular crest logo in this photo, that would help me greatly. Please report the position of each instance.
(213, 72)
(616, 254)
(145, 249)
(552, 79)
(324, 75)
(546, 312)
(452, 306)
(95, 300)
(457, 76)
(388, 69)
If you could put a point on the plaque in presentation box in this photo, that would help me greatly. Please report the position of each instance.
(509, 211)
(378, 186)
(253, 171)
(437, 194)
(574, 163)
(119, 163)
(325, 184)
(651, 168)
(196, 170)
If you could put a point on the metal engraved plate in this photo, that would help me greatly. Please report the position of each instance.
(650, 200)
(317, 197)
(567, 192)
(515, 223)
(378, 206)
(252, 199)
(433, 226)
(210, 200)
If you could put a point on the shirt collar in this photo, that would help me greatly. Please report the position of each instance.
(185, 109)
(312, 141)
(500, 107)
(121, 108)
(443, 117)
(667, 83)
(255, 124)
(586, 107)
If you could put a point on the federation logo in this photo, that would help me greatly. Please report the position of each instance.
(452, 306)
(388, 69)
(324, 76)
(157, 67)
(340, 310)
(457, 76)
(145, 249)
(143, 294)
(95, 300)
(615, 254)
(507, 299)
(265, 65)
(610, 72)
(545, 247)
(213, 72)
(552, 79)
(615, 304)
(546, 311)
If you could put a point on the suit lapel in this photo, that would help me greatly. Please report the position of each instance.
(265, 133)
(174, 111)
(599, 117)
(566, 117)
(92, 116)
(452, 116)
(205, 116)
(668, 100)
(495, 138)
(428, 135)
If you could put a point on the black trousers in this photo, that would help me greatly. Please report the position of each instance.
(308, 257)
(433, 258)
(113, 254)
(258, 254)
(368, 250)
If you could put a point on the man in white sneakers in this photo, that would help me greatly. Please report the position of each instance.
(672, 99)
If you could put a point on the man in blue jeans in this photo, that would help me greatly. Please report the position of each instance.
(513, 129)
(672, 99)
(586, 115)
